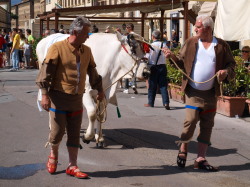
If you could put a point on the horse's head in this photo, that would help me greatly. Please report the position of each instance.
(134, 42)
(136, 45)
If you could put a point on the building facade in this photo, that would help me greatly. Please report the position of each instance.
(26, 12)
(5, 15)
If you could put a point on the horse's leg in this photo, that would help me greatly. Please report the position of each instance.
(100, 142)
(91, 112)
(101, 118)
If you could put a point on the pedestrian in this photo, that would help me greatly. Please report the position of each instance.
(165, 37)
(61, 29)
(2, 42)
(5, 50)
(130, 30)
(245, 54)
(201, 57)
(62, 81)
(31, 41)
(8, 49)
(21, 55)
(67, 31)
(158, 76)
(47, 33)
(95, 29)
(27, 52)
(174, 39)
(15, 50)
(108, 29)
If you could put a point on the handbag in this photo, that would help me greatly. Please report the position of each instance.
(151, 68)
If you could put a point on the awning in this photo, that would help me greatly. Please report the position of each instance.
(205, 8)
(145, 7)
(233, 20)
(208, 8)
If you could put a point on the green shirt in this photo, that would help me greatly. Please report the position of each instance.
(30, 39)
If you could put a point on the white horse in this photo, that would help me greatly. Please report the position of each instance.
(114, 58)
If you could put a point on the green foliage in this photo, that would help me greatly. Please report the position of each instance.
(174, 75)
(36, 40)
(13, 16)
(240, 85)
(248, 95)
(236, 52)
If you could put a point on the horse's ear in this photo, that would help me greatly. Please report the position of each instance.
(120, 37)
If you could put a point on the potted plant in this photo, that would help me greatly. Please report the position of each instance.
(174, 86)
(248, 102)
(235, 92)
(35, 60)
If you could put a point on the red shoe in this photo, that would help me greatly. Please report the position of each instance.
(51, 167)
(75, 172)
(147, 105)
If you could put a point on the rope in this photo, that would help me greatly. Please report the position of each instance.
(216, 75)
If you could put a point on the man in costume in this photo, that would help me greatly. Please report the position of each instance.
(62, 81)
(201, 57)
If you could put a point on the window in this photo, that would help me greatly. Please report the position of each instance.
(48, 2)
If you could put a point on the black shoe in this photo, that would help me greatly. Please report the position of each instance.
(135, 90)
(167, 107)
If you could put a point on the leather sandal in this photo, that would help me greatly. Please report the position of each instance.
(51, 167)
(75, 172)
(201, 165)
(181, 162)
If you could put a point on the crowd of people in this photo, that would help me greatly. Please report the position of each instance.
(16, 48)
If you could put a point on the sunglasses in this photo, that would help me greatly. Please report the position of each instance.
(244, 51)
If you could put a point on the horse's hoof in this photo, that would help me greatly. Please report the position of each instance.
(100, 145)
(85, 141)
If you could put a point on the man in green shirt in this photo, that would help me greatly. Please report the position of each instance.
(30, 37)
(31, 41)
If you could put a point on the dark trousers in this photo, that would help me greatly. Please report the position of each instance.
(158, 77)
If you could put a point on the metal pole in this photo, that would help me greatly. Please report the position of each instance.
(185, 5)
(142, 23)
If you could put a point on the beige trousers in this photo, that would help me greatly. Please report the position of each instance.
(65, 113)
(200, 106)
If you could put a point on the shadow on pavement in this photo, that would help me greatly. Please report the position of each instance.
(136, 138)
(143, 171)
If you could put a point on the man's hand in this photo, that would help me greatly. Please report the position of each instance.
(166, 52)
(222, 74)
(45, 102)
(100, 96)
